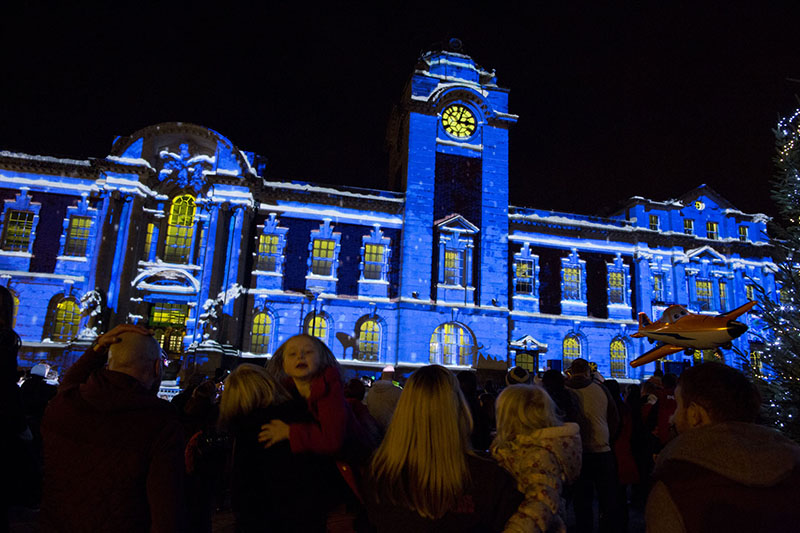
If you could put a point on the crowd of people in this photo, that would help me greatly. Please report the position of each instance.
(296, 448)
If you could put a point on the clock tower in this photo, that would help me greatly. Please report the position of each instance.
(449, 151)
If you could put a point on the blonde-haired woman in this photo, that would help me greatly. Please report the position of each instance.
(266, 483)
(540, 451)
(424, 476)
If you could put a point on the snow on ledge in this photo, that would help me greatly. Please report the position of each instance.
(46, 158)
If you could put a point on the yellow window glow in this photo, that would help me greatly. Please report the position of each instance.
(261, 333)
(68, 316)
(180, 229)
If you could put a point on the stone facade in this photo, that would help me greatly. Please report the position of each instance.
(178, 229)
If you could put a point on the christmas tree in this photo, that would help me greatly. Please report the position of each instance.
(778, 370)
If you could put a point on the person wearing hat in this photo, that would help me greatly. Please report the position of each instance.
(599, 471)
(518, 376)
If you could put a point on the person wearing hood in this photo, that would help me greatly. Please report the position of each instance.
(113, 451)
(542, 453)
(723, 472)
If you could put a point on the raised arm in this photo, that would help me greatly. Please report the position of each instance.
(96, 356)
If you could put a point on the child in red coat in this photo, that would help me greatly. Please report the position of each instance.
(310, 372)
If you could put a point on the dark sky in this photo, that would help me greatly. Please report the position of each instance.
(613, 103)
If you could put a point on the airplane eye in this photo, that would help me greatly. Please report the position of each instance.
(675, 317)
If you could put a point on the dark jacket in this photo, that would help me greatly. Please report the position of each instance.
(113, 455)
(488, 502)
(726, 477)
(277, 488)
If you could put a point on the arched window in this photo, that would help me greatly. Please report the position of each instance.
(68, 316)
(317, 326)
(261, 333)
(451, 344)
(369, 340)
(572, 350)
(619, 359)
(178, 243)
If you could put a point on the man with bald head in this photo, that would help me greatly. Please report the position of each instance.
(113, 451)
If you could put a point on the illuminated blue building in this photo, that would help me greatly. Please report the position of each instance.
(178, 229)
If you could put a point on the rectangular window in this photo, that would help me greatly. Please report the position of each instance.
(704, 294)
(750, 292)
(373, 261)
(169, 322)
(267, 255)
(712, 230)
(452, 267)
(658, 287)
(19, 226)
(178, 243)
(688, 226)
(756, 359)
(655, 224)
(524, 270)
(77, 236)
(322, 257)
(148, 243)
(723, 295)
(167, 314)
(572, 283)
(616, 287)
(742, 233)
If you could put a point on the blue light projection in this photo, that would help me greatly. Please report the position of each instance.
(445, 270)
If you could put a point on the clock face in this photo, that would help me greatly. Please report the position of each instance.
(459, 121)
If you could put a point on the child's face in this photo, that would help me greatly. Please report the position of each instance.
(301, 359)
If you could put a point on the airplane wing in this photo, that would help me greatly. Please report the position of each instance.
(662, 350)
(732, 315)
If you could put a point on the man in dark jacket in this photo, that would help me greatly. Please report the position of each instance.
(113, 451)
(723, 472)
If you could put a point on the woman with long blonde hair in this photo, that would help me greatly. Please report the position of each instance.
(540, 451)
(424, 476)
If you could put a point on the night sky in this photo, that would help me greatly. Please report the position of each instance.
(613, 103)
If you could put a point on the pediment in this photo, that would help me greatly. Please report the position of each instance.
(707, 196)
(456, 224)
(706, 253)
(529, 343)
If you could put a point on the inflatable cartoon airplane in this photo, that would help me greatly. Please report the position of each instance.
(678, 329)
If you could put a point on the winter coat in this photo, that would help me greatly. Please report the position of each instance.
(724, 477)
(627, 471)
(113, 455)
(266, 482)
(334, 430)
(542, 462)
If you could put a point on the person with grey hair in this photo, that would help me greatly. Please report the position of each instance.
(113, 451)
